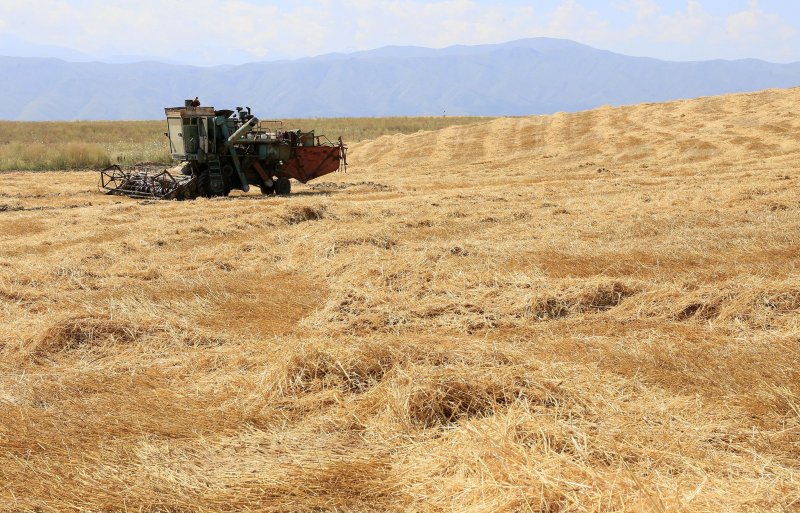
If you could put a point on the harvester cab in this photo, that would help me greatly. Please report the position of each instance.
(221, 150)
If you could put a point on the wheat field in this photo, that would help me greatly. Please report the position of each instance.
(61, 145)
(588, 312)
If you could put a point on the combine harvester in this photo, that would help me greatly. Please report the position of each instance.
(222, 150)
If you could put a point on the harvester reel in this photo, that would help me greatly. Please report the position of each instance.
(146, 183)
(111, 178)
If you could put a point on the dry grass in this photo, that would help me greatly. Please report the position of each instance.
(586, 312)
(84, 144)
(93, 144)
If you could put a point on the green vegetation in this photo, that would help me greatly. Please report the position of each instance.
(92, 144)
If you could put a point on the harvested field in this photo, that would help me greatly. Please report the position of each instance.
(596, 311)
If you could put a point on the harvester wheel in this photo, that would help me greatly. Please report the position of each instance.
(283, 186)
(203, 185)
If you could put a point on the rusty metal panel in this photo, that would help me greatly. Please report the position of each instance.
(312, 162)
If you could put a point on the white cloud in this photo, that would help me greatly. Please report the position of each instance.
(754, 32)
(571, 20)
(216, 31)
(437, 24)
(651, 23)
(755, 24)
(645, 8)
(236, 30)
(685, 26)
(693, 33)
(180, 29)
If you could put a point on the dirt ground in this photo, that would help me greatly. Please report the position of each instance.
(596, 311)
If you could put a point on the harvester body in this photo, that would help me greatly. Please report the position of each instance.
(222, 150)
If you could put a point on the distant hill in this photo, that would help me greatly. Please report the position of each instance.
(530, 76)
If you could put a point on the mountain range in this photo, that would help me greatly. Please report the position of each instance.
(529, 76)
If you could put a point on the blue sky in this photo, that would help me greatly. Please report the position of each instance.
(207, 32)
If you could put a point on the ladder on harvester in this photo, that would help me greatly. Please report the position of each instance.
(216, 183)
